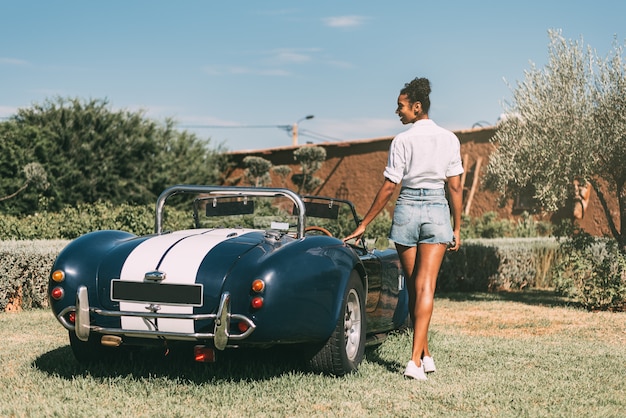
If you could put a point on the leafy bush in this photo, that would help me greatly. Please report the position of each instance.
(499, 264)
(72, 147)
(592, 271)
(310, 159)
(24, 270)
(490, 226)
(72, 222)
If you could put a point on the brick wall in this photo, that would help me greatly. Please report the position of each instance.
(353, 170)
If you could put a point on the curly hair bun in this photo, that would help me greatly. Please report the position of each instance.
(418, 90)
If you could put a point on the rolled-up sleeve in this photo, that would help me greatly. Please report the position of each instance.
(396, 162)
(455, 167)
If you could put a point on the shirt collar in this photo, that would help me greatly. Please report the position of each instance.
(423, 122)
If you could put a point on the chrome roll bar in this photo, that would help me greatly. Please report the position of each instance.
(234, 191)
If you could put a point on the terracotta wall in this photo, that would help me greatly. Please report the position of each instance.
(353, 170)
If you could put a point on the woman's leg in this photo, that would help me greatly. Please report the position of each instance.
(421, 267)
(408, 257)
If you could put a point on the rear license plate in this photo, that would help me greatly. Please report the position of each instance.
(170, 294)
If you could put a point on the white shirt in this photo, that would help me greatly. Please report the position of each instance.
(423, 156)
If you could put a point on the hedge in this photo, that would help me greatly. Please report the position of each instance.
(499, 264)
(24, 271)
(480, 265)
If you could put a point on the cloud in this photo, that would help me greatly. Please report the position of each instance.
(151, 111)
(358, 128)
(269, 63)
(291, 56)
(219, 70)
(341, 64)
(7, 111)
(203, 121)
(344, 21)
(286, 56)
(12, 61)
(277, 12)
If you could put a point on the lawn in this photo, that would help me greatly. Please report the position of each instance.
(504, 354)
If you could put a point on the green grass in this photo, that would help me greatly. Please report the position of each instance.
(506, 354)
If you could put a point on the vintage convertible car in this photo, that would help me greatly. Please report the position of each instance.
(259, 267)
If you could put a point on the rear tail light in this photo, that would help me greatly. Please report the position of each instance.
(257, 302)
(258, 286)
(204, 354)
(57, 293)
(242, 326)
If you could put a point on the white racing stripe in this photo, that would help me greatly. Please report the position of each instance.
(180, 265)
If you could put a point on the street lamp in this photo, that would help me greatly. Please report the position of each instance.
(294, 129)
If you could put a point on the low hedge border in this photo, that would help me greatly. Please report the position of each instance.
(24, 270)
(480, 265)
(500, 264)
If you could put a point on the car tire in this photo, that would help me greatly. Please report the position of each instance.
(343, 352)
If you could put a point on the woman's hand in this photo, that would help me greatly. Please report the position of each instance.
(382, 197)
(356, 234)
(456, 243)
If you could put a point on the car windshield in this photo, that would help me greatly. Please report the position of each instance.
(276, 212)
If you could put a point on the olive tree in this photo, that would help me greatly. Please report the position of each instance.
(283, 172)
(566, 122)
(310, 159)
(257, 170)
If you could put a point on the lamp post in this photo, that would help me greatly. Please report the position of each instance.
(294, 129)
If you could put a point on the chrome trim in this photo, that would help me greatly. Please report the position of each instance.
(221, 335)
(234, 191)
(222, 323)
(82, 326)
(401, 281)
(154, 276)
(61, 318)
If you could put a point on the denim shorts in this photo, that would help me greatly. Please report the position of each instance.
(421, 216)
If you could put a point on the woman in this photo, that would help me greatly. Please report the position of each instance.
(421, 159)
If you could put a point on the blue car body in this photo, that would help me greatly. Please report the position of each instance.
(225, 287)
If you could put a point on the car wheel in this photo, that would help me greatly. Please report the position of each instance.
(90, 351)
(343, 352)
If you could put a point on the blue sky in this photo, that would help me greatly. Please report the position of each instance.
(220, 68)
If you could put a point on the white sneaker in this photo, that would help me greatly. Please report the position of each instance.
(429, 364)
(415, 372)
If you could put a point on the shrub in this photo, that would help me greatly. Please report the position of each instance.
(24, 270)
(480, 265)
(592, 271)
(72, 222)
(490, 226)
(499, 264)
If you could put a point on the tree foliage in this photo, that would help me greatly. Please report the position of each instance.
(566, 122)
(257, 170)
(283, 172)
(310, 159)
(35, 175)
(92, 153)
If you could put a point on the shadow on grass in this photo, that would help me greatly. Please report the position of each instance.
(232, 366)
(372, 355)
(537, 297)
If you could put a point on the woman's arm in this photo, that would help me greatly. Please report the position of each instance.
(380, 201)
(455, 190)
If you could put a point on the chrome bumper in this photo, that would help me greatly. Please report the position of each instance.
(221, 335)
